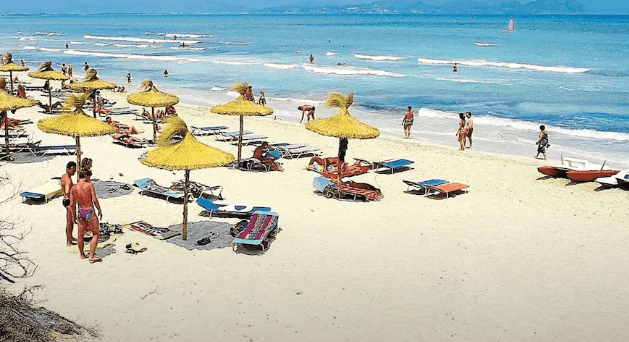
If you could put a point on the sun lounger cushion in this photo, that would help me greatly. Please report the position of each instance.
(262, 224)
(448, 188)
(394, 164)
(45, 191)
(232, 209)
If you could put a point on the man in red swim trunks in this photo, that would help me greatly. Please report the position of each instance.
(84, 195)
(306, 108)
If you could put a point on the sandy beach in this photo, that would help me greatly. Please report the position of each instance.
(517, 258)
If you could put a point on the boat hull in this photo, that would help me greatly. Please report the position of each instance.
(553, 171)
(589, 175)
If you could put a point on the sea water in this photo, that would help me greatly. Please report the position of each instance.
(569, 73)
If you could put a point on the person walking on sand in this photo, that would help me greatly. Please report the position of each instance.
(307, 108)
(407, 122)
(66, 186)
(469, 128)
(84, 195)
(460, 131)
(542, 142)
(262, 98)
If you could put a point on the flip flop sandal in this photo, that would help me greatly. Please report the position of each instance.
(131, 251)
(204, 241)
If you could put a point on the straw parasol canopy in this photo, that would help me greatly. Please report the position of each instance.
(241, 107)
(75, 123)
(45, 72)
(150, 96)
(10, 102)
(342, 125)
(185, 154)
(11, 67)
(92, 82)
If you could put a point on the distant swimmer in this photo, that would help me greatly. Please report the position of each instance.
(66, 46)
(165, 72)
(340, 63)
(175, 37)
(311, 58)
(454, 68)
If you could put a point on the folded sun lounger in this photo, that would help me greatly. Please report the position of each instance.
(262, 225)
(148, 185)
(447, 188)
(394, 164)
(229, 209)
(422, 185)
(208, 130)
(44, 192)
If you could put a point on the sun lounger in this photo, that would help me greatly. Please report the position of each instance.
(422, 185)
(229, 209)
(148, 186)
(32, 87)
(298, 152)
(14, 133)
(230, 136)
(447, 188)
(37, 150)
(250, 139)
(262, 225)
(350, 189)
(44, 192)
(208, 130)
(394, 164)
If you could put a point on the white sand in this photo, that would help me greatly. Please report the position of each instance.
(515, 259)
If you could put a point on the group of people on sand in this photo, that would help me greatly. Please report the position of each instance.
(465, 129)
(83, 196)
(248, 95)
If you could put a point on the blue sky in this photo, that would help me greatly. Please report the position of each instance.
(68, 6)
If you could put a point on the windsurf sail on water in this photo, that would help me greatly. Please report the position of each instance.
(511, 27)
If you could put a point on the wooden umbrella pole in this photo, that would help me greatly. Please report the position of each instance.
(11, 77)
(78, 156)
(154, 125)
(240, 138)
(5, 116)
(49, 99)
(184, 234)
(94, 106)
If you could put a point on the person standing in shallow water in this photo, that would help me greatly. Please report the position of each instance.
(407, 122)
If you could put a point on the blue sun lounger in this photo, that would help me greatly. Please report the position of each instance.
(424, 185)
(148, 185)
(394, 164)
(208, 130)
(229, 209)
(262, 225)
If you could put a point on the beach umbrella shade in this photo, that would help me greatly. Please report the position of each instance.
(183, 154)
(150, 96)
(92, 82)
(342, 125)
(10, 102)
(241, 107)
(75, 123)
(45, 72)
(11, 67)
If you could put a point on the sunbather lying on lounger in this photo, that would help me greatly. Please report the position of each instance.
(126, 138)
(258, 154)
(12, 122)
(54, 106)
(121, 128)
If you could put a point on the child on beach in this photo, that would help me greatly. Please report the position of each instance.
(542, 142)
(407, 122)
(460, 132)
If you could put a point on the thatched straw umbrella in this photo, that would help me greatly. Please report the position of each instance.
(92, 82)
(75, 123)
(10, 102)
(11, 67)
(342, 125)
(241, 107)
(186, 154)
(151, 97)
(45, 72)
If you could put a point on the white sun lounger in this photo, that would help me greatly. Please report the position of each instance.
(45, 191)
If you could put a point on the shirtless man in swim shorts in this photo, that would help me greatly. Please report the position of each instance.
(66, 186)
(84, 195)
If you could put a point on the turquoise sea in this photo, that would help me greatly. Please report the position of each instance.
(570, 73)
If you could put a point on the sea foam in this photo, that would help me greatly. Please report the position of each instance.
(509, 65)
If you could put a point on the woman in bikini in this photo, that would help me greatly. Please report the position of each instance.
(460, 132)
